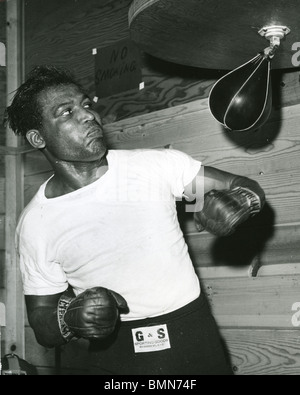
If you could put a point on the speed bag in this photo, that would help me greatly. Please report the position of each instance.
(242, 99)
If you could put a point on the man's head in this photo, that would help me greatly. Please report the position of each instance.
(26, 112)
(55, 114)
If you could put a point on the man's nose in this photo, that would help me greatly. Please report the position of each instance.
(86, 115)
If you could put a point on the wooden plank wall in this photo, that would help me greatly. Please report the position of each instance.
(255, 313)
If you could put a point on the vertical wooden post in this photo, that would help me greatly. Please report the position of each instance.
(2, 323)
(14, 332)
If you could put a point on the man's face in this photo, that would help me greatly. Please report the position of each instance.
(72, 130)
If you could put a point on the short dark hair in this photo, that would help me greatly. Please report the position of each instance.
(25, 112)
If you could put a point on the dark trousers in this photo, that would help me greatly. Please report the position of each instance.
(195, 346)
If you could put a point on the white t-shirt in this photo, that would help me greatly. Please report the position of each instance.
(121, 232)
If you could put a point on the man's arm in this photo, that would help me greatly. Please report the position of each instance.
(210, 178)
(57, 318)
(223, 200)
(42, 317)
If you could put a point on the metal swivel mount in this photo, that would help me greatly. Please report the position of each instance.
(273, 33)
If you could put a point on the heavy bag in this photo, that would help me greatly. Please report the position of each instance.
(242, 99)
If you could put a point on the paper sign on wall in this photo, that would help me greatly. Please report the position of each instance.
(118, 68)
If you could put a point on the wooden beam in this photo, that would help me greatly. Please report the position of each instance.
(2, 323)
(14, 332)
(2, 314)
(23, 149)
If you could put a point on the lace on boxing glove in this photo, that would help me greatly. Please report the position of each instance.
(62, 307)
(255, 204)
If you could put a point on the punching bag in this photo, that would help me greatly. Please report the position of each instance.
(242, 99)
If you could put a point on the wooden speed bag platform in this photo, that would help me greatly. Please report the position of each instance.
(213, 34)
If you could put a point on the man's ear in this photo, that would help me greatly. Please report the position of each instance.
(35, 139)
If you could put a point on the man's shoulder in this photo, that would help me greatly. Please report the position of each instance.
(32, 208)
(146, 153)
(135, 151)
(142, 159)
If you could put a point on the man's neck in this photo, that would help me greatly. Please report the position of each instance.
(68, 177)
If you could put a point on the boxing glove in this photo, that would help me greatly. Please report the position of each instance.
(92, 314)
(224, 210)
